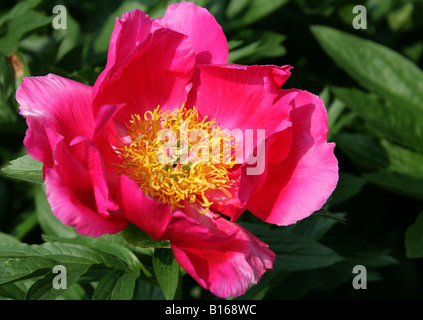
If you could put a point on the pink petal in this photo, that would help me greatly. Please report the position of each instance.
(158, 73)
(276, 149)
(199, 25)
(300, 184)
(37, 143)
(242, 97)
(132, 29)
(247, 102)
(227, 202)
(88, 155)
(65, 103)
(147, 214)
(106, 134)
(220, 255)
(62, 104)
(78, 193)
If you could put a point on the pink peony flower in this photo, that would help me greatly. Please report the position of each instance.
(112, 153)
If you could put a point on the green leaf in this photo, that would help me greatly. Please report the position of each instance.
(414, 238)
(19, 9)
(166, 269)
(69, 38)
(253, 46)
(294, 252)
(403, 184)
(124, 286)
(335, 110)
(147, 291)
(338, 114)
(19, 26)
(376, 67)
(110, 244)
(7, 89)
(385, 164)
(7, 239)
(323, 7)
(25, 168)
(105, 286)
(137, 237)
(402, 18)
(403, 160)
(17, 268)
(318, 224)
(399, 123)
(15, 290)
(372, 154)
(348, 186)
(244, 12)
(64, 253)
(86, 75)
(43, 288)
(359, 251)
(75, 292)
(74, 253)
(365, 151)
(116, 285)
(297, 253)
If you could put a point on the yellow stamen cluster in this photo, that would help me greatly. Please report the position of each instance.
(175, 156)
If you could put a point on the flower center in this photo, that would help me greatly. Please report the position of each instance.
(175, 156)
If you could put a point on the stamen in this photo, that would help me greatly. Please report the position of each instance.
(172, 156)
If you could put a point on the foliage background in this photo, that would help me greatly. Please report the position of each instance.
(372, 84)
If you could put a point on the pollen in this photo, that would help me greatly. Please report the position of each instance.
(177, 156)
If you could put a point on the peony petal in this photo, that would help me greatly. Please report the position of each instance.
(220, 255)
(106, 134)
(37, 143)
(301, 183)
(241, 97)
(277, 148)
(129, 31)
(158, 73)
(199, 25)
(90, 158)
(78, 195)
(227, 201)
(147, 214)
(62, 105)
(247, 102)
